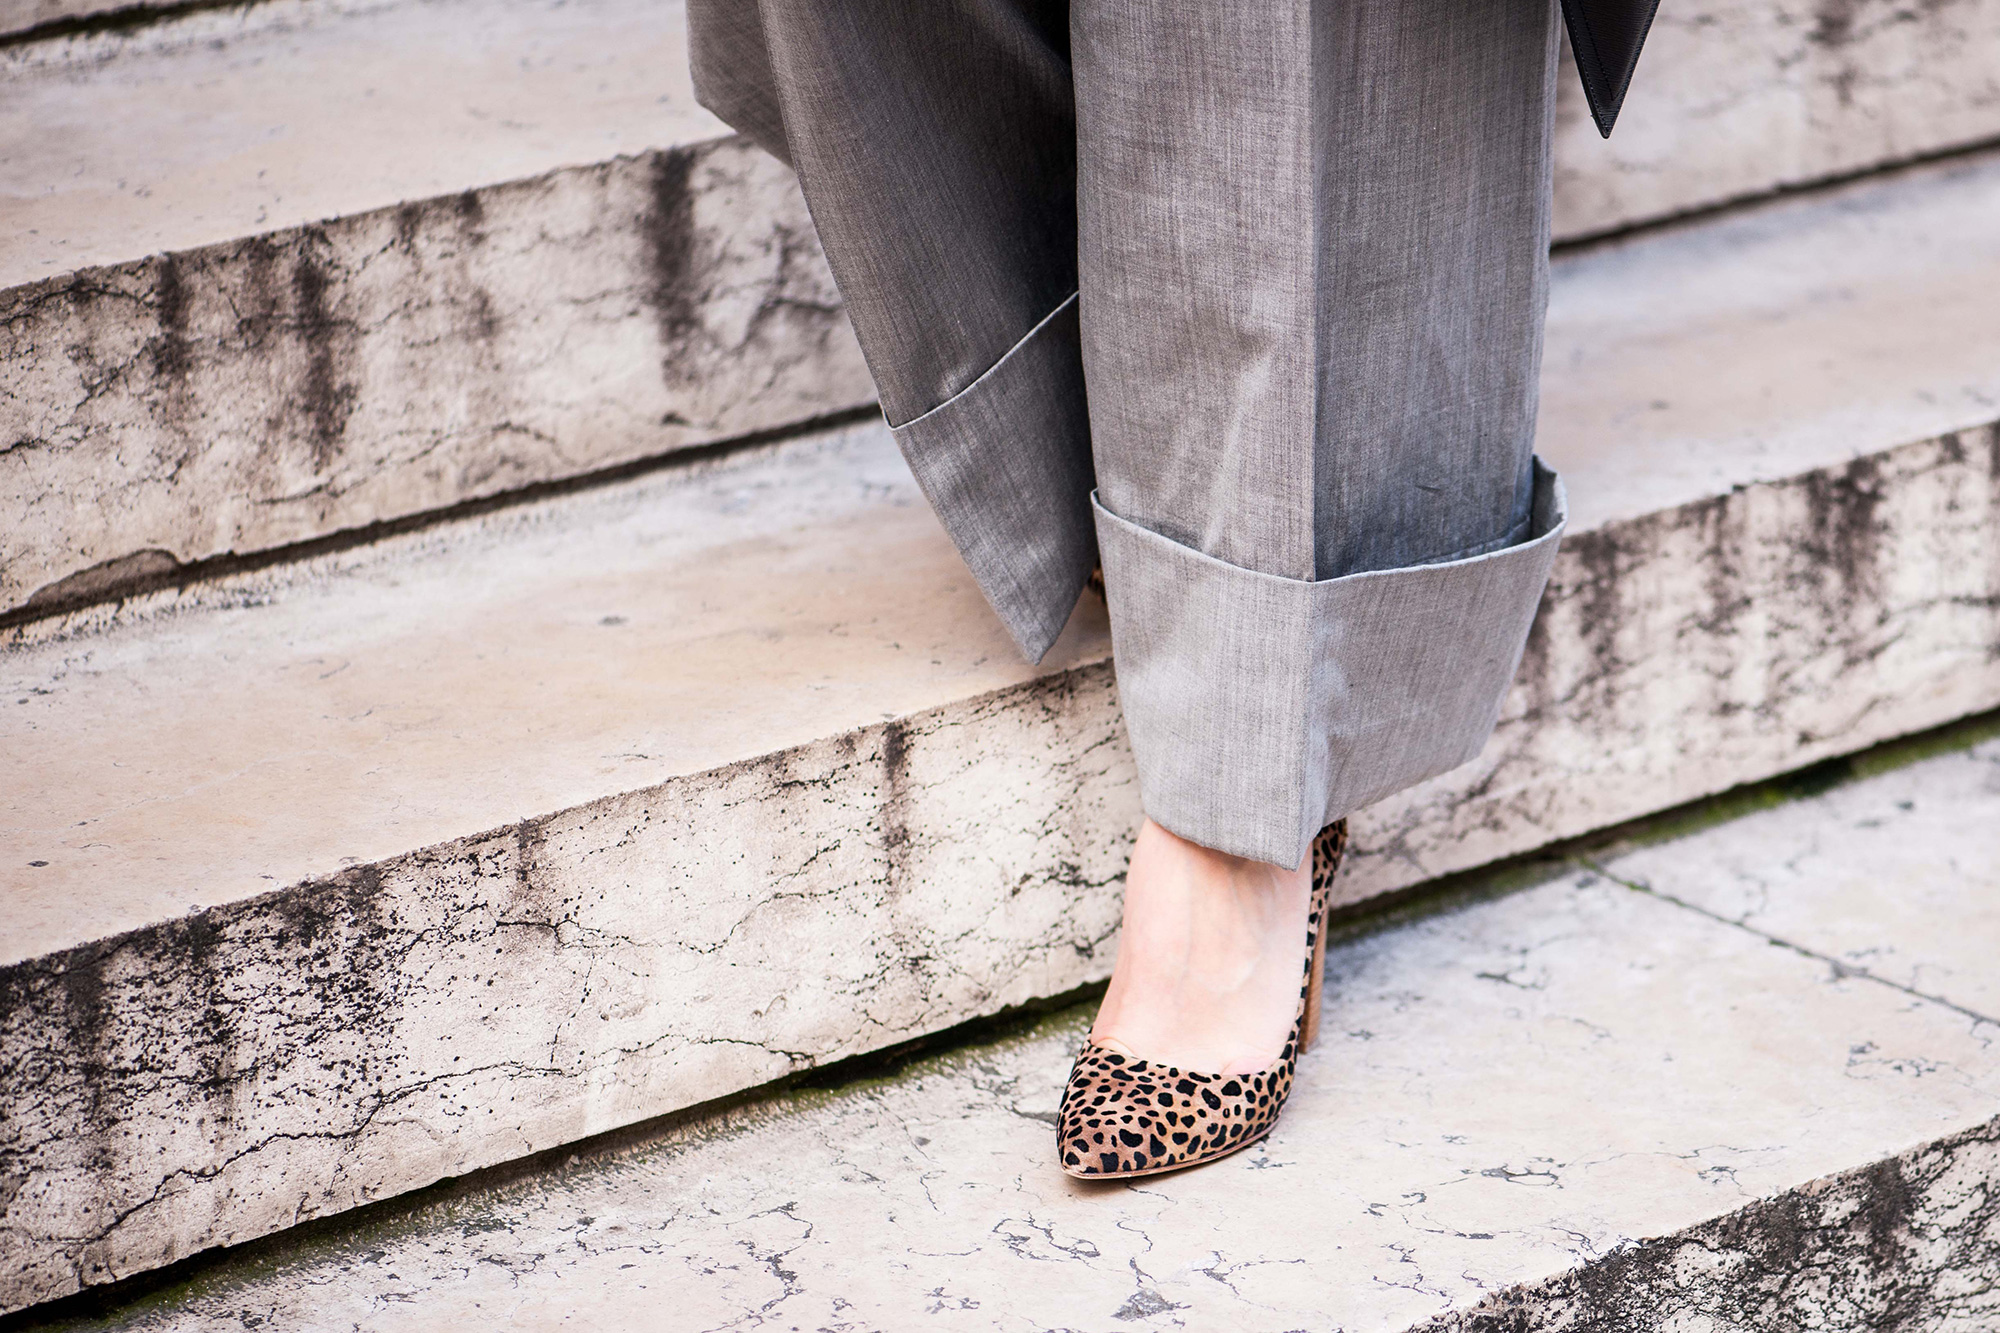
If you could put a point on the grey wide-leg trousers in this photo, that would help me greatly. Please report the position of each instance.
(1243, 299)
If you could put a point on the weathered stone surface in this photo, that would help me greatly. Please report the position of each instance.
(1736, 98)
(236, 1071)
(272, 377)
(1854, 900)
(683, 925)
(613, 671)
(226, 122)
(420, 690)
(276, 389)
(288, 112)
(1722, 642)
(1737, 348)
(1906, 1242)
(402, 256)
(1580, 1106)
(512, 991)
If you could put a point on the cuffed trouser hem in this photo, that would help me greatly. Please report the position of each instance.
(1261, 708)
(1006, 464)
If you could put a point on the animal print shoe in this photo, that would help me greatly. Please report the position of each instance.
(1123, 1116)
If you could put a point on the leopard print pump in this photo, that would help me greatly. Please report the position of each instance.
(1128, 1117)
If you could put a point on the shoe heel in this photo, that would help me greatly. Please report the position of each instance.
(1326, 853)
(1314, 985)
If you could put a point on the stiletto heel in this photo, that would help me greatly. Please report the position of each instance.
(1325, 862)
(1123, 1116)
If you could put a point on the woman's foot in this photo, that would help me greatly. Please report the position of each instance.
(1207, 976)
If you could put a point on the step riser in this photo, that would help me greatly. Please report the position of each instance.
(644, 953)
(1734, 98)
(273, 390)
(1907, 1242)
(1603, 1100)
(264, 392)
(1726, 641)
(499, 995)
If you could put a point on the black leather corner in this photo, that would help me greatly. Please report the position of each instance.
(1606, 36)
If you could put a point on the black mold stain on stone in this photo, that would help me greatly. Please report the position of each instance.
(1534, 677)
(192, 1017)
(1844, 520)
(84, 1007)
(471, 211)
(438, 237)
(1719, 520)
(262, 309)
(485, 322)
(171, 396)
(668, 228)
(325, 398)
(207, 962)
(170, 352)
(895, 809)
(1890, 1202)
(1598, 554)
(160, 1056)
(1833, 23)
(1833, 31)
(409, 221)
(846, 745)
(301, 918)
(288, 328)
(528, 840)
(84, 1066)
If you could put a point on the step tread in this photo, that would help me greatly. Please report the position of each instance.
(254, 734)
(1740, 347)
(238, 122)
(1512, 1089)
(367, 704)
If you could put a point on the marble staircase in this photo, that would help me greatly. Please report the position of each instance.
(1719, 1074)
(474, 674)
(285, 272)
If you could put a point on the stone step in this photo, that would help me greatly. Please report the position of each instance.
(384, 257)
(1733, 99)
(329, 880)
(1733, 1076)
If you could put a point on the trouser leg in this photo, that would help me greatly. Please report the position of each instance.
(1311, 247)
(1313, 264)
(935, 144)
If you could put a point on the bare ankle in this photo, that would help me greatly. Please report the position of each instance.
(1207, 968)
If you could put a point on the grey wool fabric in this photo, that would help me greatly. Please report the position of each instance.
(1243, 301)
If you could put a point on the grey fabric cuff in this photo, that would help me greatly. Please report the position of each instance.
(1006, 464)
(1261, 708)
